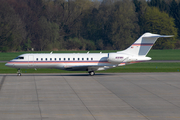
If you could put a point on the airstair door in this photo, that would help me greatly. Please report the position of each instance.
(30, 61)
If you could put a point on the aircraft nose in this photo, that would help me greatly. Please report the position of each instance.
(8, 64)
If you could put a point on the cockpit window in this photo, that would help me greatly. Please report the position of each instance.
(19, 58)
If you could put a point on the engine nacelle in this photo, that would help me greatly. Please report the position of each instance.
(116, 57)
(119, 58)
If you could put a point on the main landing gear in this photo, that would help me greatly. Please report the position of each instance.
(91, 73)
(19, 72)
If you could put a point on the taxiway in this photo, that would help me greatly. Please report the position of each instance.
(107, 96)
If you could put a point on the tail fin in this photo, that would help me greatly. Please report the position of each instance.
(142, 46)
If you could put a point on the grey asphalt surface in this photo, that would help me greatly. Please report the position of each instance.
(107, 96)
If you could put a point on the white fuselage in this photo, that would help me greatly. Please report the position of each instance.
(59, 61)
(71, 61)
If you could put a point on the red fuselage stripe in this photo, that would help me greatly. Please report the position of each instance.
(142, 44)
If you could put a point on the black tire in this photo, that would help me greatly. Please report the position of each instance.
(91, 73)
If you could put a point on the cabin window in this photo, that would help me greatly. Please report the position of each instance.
(59, 59)
(78, 58)
(91, 58)
(41, 59)
(82, 58)
(73, 58)
(37, 59)
(55, 59)
(46, 59)
(87, 58)
(50, 58)
(68, 58)
(64, 58)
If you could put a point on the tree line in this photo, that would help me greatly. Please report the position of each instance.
(86, 24)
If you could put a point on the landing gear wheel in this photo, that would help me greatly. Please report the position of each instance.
(19, 74)
(91, 73)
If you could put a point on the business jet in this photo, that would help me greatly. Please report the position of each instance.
(88, 61)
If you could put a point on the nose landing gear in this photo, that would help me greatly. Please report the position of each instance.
(19, 72)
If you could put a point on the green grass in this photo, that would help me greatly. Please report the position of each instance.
(164, 54)
(138, 67)
(154, 54)
(148, 67)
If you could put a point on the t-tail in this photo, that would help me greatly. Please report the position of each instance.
(142, 46)
(137, 51)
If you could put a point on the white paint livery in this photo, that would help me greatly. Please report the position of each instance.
(88, 61)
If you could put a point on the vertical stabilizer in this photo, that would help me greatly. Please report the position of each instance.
(142, 46)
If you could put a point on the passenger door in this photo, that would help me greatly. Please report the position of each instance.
(30, 61)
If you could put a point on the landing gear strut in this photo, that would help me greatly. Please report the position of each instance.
(19, 72)
(91, 73)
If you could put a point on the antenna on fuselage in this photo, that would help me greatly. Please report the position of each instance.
(88, 52)
(51, 52)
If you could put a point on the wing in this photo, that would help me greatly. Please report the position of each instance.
(88, 68)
